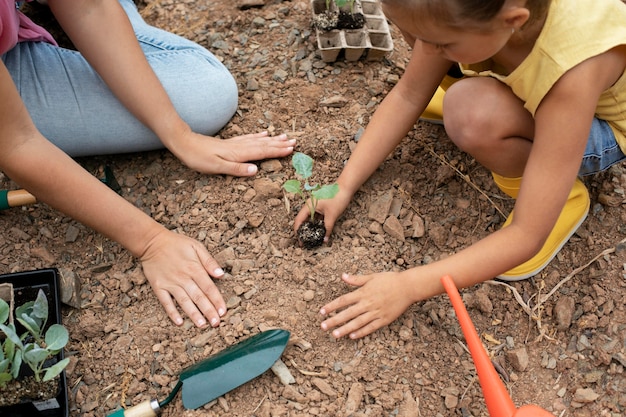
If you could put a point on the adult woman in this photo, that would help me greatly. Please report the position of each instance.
(129, 87)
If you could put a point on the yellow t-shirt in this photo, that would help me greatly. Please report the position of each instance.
(574, 31)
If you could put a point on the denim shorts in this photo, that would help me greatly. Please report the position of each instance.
(602, 149)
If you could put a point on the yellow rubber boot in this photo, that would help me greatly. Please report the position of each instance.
(573, 214)
(434, 110)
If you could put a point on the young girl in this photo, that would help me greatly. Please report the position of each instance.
(543, 101)
(129, 87)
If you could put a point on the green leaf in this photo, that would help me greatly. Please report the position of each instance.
(17, 364)
(40, 307)
(4, 365)
(10, 332)
(4, 378)
(303, 164)
(4, 311)
(56, 337)
(36, 356)
(55, 369)
(293, 186)
(326, 192)
(30, 324)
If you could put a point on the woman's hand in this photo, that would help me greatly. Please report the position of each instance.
(380, 299)
(180, 268)
(211, 155)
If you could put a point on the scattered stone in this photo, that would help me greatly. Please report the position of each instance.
(325, 387)
(355, 396)
(518, 359)
(266, 188)
(201, 340)
(585, 395)
(334, 101)
(564, 312)
(282, 372)
(451, 397)
(379, 209)
(393, 228)
(71, 233)
(409, 406)
(249, 4)
(418, 227)
(272, 165)
(70, 288)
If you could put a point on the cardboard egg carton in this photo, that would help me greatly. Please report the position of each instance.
(371, 43)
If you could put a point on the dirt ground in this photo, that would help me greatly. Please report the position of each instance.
(560, 344)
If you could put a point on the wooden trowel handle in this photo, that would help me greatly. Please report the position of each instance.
(15, 198)
(145, 409)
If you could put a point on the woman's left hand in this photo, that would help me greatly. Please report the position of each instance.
(211, 155)
(180, 268)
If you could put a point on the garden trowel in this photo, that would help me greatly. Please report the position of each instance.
(497, 399)
(213, 377)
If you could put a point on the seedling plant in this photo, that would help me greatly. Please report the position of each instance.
(339, 17)
(33, 347)
(311, 233)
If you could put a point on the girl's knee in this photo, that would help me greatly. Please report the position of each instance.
(465, 120)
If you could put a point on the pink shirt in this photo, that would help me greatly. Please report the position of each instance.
(15, 27)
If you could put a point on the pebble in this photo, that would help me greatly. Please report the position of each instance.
(393, 228)
(282, 372)
(379, 209)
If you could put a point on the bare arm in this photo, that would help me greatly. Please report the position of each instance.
(392, 120)
(177, 267)
(561, 133)
(103, 34)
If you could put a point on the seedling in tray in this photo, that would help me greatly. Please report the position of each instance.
(33, 347)
(311, 233)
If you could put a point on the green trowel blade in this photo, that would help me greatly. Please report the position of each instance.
(231, 367)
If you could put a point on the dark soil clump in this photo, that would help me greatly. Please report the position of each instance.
(348, 20)
(311, 233)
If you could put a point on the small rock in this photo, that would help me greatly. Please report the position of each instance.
(71, 233)
(201, 340)
(225, 256)
(409, 406)
(70, 288)
(393, 228)
(564, 312)
(451, 397)
(43, 254)
(266, 188)
(355, 396)
(282, 372)
(518, 359)
(334, 101)
(273, 165)
(233, 302)
(380, 208)
(585, 395)
(325, 387)
(418, 227)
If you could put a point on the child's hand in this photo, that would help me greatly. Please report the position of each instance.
(380, 299)
(181, 268)
(330, 209)
(211, 155)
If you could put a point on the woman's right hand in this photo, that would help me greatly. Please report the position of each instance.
(330, 209)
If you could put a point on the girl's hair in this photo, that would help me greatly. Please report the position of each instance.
(465, 14)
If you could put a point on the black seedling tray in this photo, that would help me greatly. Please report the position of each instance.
(26, 285)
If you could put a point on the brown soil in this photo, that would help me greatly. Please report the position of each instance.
(560, 344)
